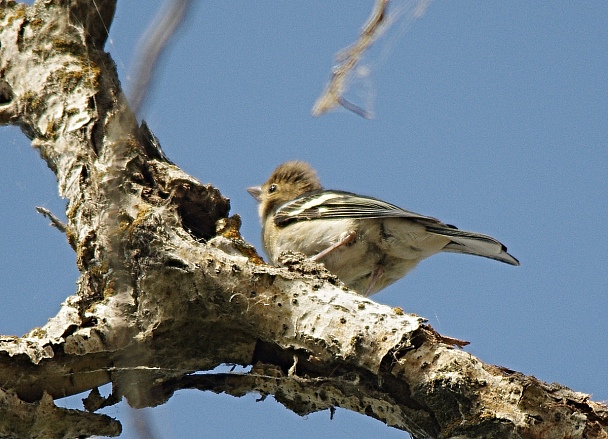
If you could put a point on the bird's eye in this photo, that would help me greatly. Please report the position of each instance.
(272, 188)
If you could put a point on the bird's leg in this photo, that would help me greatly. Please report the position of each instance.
(376, 274)
(347, 239)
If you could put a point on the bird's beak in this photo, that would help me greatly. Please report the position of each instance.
(255, 192)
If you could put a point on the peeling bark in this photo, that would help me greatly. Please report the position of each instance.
(169, 288)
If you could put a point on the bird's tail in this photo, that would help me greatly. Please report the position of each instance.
(473, 244)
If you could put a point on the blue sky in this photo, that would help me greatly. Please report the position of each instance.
(492, 116)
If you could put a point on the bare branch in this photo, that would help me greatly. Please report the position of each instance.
(348, 59)
(152, 45)
(19, 419)
(55, 222)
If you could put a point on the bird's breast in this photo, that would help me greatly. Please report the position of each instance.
(390, 246)
(310, 237)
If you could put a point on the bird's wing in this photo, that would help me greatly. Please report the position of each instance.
(342, 205)
(346, 205)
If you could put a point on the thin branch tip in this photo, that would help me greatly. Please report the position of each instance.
(55, 222)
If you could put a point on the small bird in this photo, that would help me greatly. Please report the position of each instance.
(366, 242)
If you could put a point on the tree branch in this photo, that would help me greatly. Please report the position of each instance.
(169, 288)
(349, 58)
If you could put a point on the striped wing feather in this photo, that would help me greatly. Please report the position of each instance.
(341, 205)
(346, 205)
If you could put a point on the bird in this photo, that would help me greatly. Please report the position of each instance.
(366, 242)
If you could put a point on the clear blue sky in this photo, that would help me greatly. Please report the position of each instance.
(492, 116)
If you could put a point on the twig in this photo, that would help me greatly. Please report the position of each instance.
(55, 222)
(155, 40)
(348, 60)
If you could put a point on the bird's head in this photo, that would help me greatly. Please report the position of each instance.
(288, 181)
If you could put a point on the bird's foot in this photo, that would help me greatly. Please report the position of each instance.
(346, 239)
